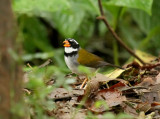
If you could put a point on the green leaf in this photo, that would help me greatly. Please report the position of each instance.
(145, 21)
(34, 34)
(87, 5)
(138, 4)
(124, 116)
(27, 6)
(109, 115)
(67, 24)
(145, 43)
(40, 55)
(149, 25)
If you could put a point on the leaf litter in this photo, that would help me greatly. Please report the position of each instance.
(135, 91)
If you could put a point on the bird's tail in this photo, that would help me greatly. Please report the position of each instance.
(103, 63)
(108, 64)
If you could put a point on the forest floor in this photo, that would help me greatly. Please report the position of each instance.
(134, 91)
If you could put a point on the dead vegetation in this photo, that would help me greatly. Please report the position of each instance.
(134, 91)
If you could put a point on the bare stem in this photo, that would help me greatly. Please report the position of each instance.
(102, 17)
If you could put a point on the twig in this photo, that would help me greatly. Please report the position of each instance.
(102, 17)
(133, 87)
(29, 66)
(27, 91)
(45, 63)
(68, 97)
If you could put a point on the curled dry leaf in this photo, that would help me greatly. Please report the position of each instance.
(110, 96)
(129, 109)
(63, 94)
(144, 106)
(148, 81)
(93, 85)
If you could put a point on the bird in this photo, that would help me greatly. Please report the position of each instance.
(76, 56)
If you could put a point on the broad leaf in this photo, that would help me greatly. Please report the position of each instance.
(139, 4)
(34, 34)
(26, 6)
(150, 25)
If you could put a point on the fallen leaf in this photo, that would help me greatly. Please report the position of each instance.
(118, 86)
(144, 106)
(148, 81)
(150, 97)
(93, 85)
(129, 109)
(155, 88)
(63, 94)
(116, 73)
(58, 92)
(158, 79)
(147, 58)
(111, 97)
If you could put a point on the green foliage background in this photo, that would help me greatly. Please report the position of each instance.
(44, 24)
(137, 22)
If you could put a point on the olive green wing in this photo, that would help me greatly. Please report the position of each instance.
(90, 60)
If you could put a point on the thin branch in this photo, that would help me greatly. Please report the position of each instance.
(102, 17)
(45, 63)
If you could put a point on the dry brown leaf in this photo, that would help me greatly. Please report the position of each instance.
(129, 109)
(148, 81)
(112, 97)
(64, 110)
(155, 88)
(144, 106)
(62, 93)
(59, 92)
(158, 79)
(150, 97)
(93, 85)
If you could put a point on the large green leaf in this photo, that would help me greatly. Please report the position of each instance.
(66, 16)
(149, 25)
(28, 6)
(34, 34)
(145, 21)
(139, 4)
(68, 24)
(70, 21)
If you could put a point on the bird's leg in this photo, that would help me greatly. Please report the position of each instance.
(85, 80)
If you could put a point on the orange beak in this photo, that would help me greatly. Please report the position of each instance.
(66, 43)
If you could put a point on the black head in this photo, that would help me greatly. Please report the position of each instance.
(69, 42)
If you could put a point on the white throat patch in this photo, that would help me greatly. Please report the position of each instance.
(70, 49)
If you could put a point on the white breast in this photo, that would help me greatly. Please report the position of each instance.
(72, 64)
